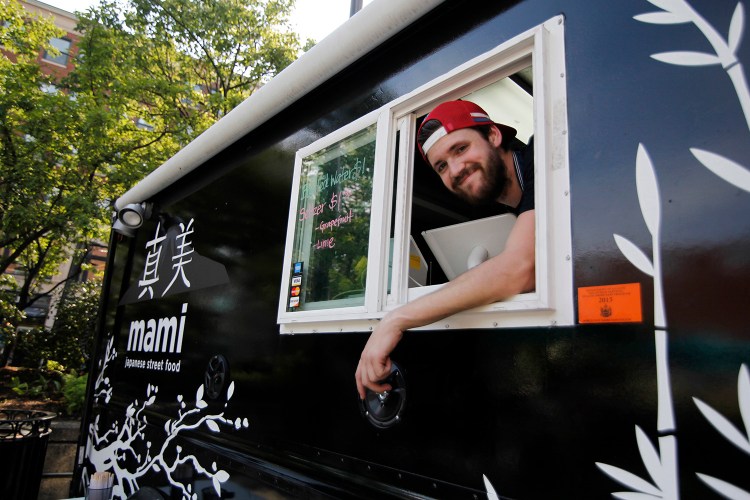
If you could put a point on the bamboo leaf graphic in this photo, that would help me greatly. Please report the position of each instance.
(668, 5)
(634, 255)
(687, 58)
(743, 395)
(630, 480)
(491, 495)
(725, 168)
(724, 426)
(648, 190)
(662, 18)
(650, 457)
(213, 426)
(736, 27)
(629, 495)
(728, 490)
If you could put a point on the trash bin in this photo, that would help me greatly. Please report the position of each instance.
(23, 444)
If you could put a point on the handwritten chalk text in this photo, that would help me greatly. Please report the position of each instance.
(325, 180)
(338, 221)
(323, 244)
(305, 214)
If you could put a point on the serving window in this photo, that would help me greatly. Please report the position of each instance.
(331, 236)
(372, 227)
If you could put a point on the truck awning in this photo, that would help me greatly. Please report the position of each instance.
(360, 34)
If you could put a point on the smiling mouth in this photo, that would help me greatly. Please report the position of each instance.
(468, 173)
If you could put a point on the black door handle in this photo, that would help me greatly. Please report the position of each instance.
(385, 409)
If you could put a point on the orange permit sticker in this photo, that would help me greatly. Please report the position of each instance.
(414, 262)
(610, 304)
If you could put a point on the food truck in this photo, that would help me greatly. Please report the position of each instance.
(246, 273)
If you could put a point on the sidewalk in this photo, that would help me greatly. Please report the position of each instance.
(60, 459)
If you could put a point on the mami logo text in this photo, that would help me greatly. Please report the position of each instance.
(158, 335)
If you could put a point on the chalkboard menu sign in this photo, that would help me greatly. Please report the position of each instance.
(332, 225)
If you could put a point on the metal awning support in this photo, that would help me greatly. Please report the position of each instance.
(356, 6)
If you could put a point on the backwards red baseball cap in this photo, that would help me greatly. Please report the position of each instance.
(455, 115)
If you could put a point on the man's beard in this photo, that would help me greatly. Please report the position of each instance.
(495, 185)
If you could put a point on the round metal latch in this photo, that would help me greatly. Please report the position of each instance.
(216, 376)
(385, 409)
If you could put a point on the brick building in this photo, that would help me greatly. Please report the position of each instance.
(43, 311)
(62, 64)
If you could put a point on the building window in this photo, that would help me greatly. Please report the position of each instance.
(144, 125)
(520, 83)
(63, 46)
(49, 88)
(36, 313)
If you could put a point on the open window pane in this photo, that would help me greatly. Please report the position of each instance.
(331, 234)
(434, 209)
(355, 242)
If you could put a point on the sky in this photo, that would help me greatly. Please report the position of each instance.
(312, 18)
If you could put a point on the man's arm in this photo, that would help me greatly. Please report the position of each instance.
(498, 278)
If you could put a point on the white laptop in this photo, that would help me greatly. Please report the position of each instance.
(459, 247)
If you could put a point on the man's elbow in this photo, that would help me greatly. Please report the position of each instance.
(525, 277)
(517, 278)
(529, 278)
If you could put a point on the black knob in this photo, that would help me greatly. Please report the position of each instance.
(385, 409)
(216, 376)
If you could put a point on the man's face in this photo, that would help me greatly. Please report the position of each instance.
(470, 165)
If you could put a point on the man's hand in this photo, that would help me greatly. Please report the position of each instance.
(375, 361)
(498, 278)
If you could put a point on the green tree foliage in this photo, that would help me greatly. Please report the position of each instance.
(34, 186)
(227, 49)
(71, 340)
(150, 75)
(10, 316)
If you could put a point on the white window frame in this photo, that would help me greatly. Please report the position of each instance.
(552, 301)
(333, 319)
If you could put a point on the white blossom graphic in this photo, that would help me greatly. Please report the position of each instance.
(125, 442)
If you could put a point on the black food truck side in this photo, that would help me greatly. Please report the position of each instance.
(234, 317)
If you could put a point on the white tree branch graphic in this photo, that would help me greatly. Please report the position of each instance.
(725, 53)
(662, 467)
(738, 438)
(102, 382)
(491, 494)
(725, 49)
(124, 442)
(656, 470)
(725, 168)
(661, 463)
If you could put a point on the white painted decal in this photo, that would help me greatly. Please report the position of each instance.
(158, 335)
(661, 463)
(125, 449)
(660, 460)
(172, 265)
